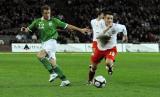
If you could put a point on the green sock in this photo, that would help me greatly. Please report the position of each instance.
(47, 64)
(60, 73)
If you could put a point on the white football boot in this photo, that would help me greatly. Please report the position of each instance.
(65, 83)
(53, 76)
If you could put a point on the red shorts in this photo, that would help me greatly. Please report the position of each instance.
(98, 55)
(94, 44)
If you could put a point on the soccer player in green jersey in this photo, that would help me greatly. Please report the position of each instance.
(46, 26)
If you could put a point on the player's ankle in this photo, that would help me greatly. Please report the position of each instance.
(89, 82)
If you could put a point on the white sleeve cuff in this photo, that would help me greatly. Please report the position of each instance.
(66, 26)
(29, 29)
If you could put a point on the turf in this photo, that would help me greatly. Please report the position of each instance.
(135, 75)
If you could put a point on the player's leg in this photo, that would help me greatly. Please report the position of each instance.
(92, 70)
(42, 58)
(95, 59)
(51, 50)
(109, 66)
(110, 56)
(58, 71)
(93, 65)
(94, 46)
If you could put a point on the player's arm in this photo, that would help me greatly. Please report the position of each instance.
(107, 29)
(122, 28)
(71, 27)
(103, 24)
(28, 29)
(125, 38)
(92, 25)
(82, 30)
(104, 34)
(124, 31)
(104, 37)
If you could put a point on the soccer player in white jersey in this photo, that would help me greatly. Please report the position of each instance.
(106, 45)
(97, 24)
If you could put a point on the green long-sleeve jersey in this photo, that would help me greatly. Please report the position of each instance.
(47, 28)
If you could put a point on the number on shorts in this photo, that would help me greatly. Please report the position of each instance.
(112, 53)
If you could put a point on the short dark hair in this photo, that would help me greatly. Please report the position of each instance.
(45, 7)
(108, 13)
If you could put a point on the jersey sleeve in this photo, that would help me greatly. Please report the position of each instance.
(32, 25)
(92, 25)
(103, 24)
(122, 28)
(59, 23)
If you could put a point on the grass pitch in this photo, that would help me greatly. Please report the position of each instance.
(135, 75)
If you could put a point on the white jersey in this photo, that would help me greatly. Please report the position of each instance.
(112, 32)
(97, 26)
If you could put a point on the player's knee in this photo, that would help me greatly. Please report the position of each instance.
(94, 60)
(41, 55)
(53, 62)
(109, 62)
(93, 68)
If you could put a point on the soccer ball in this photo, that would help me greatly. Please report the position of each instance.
(99, 81)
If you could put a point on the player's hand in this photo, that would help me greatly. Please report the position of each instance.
(125, 38)
(24, 29)
(104, 38)
(85, 30)
(108, 27)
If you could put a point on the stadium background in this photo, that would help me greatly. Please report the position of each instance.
(141, 18)
(136, 74)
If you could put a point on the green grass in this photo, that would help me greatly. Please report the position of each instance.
(136, 75)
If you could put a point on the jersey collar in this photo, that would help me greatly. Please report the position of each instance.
(42, 18)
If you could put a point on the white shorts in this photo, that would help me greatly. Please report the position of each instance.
(50, 47)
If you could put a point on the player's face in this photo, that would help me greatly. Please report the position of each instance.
(108, 19)
(46, 14)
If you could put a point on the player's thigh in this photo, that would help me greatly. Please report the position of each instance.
(94, 43)
(51, 56)
(94, 46)
(50, 47)
(96, 57)
(110, 55)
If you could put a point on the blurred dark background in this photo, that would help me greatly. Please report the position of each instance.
(141, 18)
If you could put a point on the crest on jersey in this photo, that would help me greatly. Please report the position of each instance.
(41, 25)
(113, 32)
